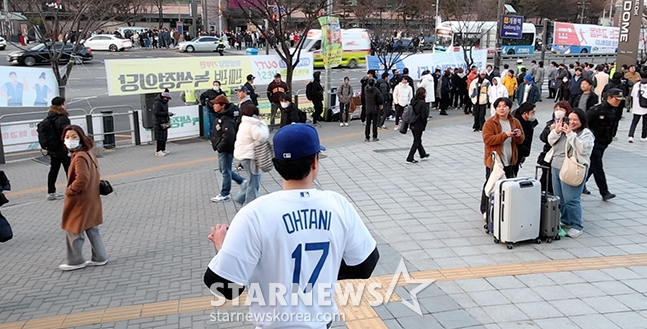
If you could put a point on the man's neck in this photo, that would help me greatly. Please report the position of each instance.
(303, 184)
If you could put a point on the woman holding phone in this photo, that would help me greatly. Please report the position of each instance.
(561, 110)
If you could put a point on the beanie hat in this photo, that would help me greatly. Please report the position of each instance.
(58, 101)
(166, 94)
(528, 78)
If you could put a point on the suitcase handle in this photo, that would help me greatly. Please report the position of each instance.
(526, 184)
(537, 176)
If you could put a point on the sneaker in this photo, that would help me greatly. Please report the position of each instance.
(341, 124)
(366, 140)
(363, 123)
(54, 196)
(631, 139)
(220, 198)
(384, 127)
(160, 154)
(412, 161)
(396, 127)
(375, 139)
(608, 196)
(240, 167)
(425, 157)
(346, 124)
(586, 191)
(573, 232)
(643, 139)
(318, 124)
(565, 226)
(66, 267)
(96, 263)
(166, 152)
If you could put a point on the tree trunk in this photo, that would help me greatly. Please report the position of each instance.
(61, 89)
(161, 18)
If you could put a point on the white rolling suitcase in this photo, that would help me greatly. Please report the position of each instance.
(517, 211)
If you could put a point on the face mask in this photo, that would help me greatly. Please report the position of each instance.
(284, 105)
(560, 114)
(216, 88)
(72, 144)
(531, 118)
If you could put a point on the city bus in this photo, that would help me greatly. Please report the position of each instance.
(452, 34)
(570, 38)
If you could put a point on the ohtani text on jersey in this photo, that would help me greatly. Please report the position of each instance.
(307, 219)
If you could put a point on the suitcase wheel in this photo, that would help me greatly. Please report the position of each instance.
(509, 245)
(487, 230)
(538, 241)
(496, 240)
(549, 240)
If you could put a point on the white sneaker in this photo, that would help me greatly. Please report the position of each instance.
(573, 232)
(166, 152)
(396, 127)
(160, 154)
(346, 124)
(220, 198)
(631, 139)
(93, 263)
(384, 127)
(54, 196)
(341, 124)
(66, 267)
(643, 139)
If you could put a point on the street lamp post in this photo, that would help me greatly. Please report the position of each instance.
(584, 5)
(499, 15)
(433, 47)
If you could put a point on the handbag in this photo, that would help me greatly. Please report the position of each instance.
(105, 188)
(263, 156)
(6, 233)
(572, 172)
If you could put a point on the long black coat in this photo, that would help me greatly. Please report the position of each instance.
(60, 120)
(160, 116)
(421, 109)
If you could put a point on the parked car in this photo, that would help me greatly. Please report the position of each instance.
(404, 44)
(429, 42)
(3, 43)
(206, 43)
(40, 54)
(107, 42)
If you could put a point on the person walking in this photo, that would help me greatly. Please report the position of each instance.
(82, 208)
(502, 134)
(496, 91)
(223, 137)
(580, 139)
(421, 110)
(402, 95)
(58, 119)
(252, 131)
(374, 103)
(161, 122)
(315, 93)
(274, 91)
(264, 253)
(345, 95)
(479, 95)
(510, 82)
(601, 121)
(639, 94)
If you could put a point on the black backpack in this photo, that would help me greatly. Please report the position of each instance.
(47, 135)
(309, 91)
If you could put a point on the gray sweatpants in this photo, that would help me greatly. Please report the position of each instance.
(75, 246)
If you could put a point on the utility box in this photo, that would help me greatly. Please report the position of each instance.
(148, 100)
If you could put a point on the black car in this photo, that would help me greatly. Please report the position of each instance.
(40, 54)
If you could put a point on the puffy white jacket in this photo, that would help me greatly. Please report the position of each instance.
(496, 92)
(402, 94)
(428, 83)
(250, 132)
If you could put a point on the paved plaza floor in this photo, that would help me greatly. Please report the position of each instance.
(156, 225)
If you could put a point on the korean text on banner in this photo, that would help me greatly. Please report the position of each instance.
(185, 123)
(331, 41)
(143, 76)
(23, 87)
(418, 63)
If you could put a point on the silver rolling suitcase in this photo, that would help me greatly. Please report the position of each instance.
(516, 211)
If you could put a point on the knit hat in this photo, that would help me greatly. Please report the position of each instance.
(58, 101)
(528, 78)
(166, 94)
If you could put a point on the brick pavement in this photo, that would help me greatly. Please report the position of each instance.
(156, 225)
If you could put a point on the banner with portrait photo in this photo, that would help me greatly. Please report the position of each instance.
(27, 87)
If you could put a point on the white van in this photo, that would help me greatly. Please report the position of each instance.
(356, 45)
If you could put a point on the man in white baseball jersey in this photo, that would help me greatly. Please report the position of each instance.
(299, 238)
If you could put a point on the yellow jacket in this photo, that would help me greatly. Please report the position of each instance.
(511, 84)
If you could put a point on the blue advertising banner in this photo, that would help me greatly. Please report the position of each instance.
(511, 27)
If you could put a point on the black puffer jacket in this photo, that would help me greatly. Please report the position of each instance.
(160, 116)
(523, 149)
(601, 120)
(289, 115)
(59, 117)
(421, 109)
(373, 99)
(223, 135)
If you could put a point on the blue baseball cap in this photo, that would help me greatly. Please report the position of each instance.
(296, 141)
(243, 89)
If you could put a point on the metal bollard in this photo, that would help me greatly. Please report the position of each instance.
(2, 158)
(108, 129)
(138, 138)
(296, 101)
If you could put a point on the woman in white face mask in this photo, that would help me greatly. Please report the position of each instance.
(82, 208)
(561, 110)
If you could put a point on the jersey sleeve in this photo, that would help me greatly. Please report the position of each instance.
(359, 242)
(241, 250)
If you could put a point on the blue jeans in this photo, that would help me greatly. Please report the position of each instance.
(569, 200)
(249, 192)
(225, 161)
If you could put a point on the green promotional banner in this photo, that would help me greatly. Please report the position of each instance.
(330, 40)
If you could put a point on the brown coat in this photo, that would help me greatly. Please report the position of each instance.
(493, 137)
(82, 207)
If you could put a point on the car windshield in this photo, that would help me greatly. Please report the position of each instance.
(39, 46)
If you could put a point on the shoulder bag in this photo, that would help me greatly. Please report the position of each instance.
(105, 188)
(263, 155)
(572, 172)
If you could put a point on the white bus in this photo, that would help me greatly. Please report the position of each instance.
(451, 34)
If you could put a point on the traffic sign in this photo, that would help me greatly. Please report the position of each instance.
(511, 27)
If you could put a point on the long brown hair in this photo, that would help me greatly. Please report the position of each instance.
(86, 142)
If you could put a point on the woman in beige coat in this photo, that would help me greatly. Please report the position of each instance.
(82, 209)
